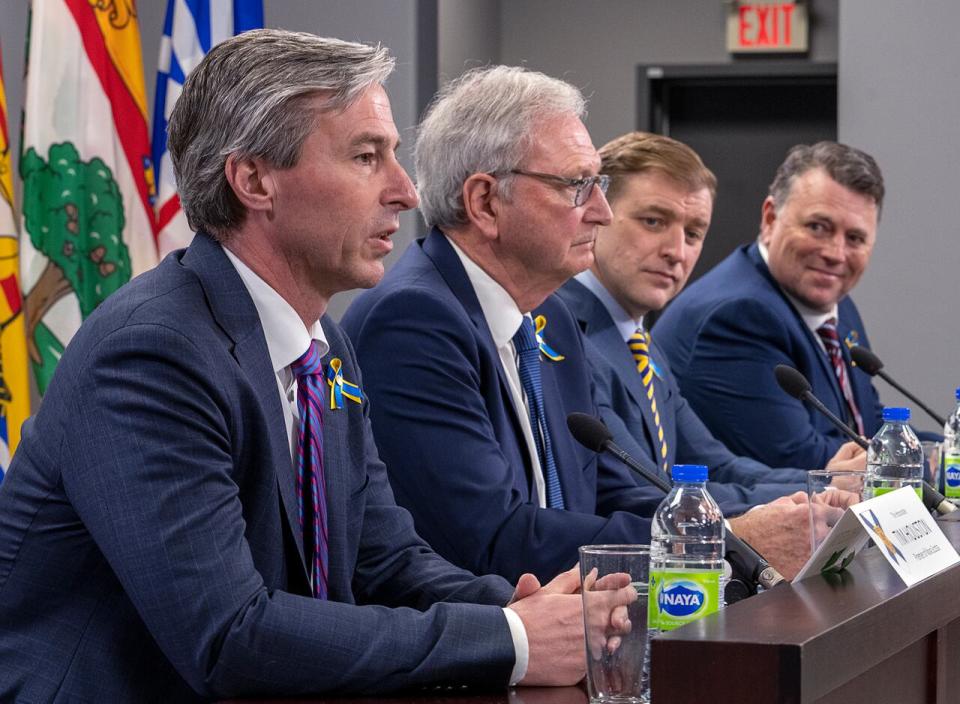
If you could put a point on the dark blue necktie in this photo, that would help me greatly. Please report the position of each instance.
(528, 353)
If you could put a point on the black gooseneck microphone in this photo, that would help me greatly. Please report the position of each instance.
(745, 561)
(871, 364)
(796, 384)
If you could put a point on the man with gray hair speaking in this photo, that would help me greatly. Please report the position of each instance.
(198, 511)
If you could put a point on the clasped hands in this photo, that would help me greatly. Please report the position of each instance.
(554, 621)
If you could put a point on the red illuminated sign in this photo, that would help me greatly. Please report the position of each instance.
(769, 26)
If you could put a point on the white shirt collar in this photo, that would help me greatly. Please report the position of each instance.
(626, 324)
(813, 318)
(287, 337)
(500, 310)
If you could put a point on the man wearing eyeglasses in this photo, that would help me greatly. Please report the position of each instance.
(470, 363)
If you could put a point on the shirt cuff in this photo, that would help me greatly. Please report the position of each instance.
(520, 645)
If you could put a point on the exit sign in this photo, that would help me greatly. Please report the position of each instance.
(767, 27)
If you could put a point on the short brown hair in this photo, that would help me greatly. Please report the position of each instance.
(636, 152)
(852, 168)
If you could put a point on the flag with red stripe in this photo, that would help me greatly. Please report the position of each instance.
(190, 30)
(88, 186)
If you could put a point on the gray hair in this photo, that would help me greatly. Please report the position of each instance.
(250, 96)
(851, 168)
(482, 122)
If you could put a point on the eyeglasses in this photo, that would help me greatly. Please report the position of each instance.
(583, 185)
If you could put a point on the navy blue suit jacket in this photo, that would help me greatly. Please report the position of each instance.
(149, 540)
(737, 483)
(726, 333)
(448, 430)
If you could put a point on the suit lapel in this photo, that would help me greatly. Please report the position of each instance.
(234, 310)
(336, 460)
(823, 361)
(448, 264)
(598, 326)
(560, 438)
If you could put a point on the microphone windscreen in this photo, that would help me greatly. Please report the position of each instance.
(589, 431)
(791, 381)
(865, 359)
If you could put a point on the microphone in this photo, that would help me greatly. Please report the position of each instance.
(594, 435)
(871, 364)
(796, 384)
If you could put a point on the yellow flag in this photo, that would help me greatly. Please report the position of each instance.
(14, 380)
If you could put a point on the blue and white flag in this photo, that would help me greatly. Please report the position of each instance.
(191, 28)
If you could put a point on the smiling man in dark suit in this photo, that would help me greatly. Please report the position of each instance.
(785, 300)
(198, 510)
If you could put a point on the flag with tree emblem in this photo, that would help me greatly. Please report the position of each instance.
(87, 220)
(14, 382)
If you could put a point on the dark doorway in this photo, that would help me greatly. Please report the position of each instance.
(741, 119)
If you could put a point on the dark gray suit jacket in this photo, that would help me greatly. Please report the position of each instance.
(149, 542)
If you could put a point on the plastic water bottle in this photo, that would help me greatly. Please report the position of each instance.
(951, 454)
(895, 457)
(686, 553)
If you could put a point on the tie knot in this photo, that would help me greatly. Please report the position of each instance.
(638, 342)
(308, 364)
(525, 339)
(828, 331)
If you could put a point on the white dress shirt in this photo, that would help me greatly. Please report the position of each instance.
(288, 338)
(503, 318)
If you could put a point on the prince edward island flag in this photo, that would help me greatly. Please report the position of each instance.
(14, 384)
(190, 30)
(88, 223)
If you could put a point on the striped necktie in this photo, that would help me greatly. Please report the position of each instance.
(640, 349)
(528, 355)
(311, 489)
(831, 341)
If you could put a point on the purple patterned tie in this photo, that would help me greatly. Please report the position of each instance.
(831, 340)
(311, 491)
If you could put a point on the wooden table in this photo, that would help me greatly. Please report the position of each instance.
(859, 638)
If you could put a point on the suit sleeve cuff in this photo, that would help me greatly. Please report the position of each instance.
(520, 645)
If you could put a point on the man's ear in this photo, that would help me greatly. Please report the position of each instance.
(252, 182)
(768, 215)
(482, 203)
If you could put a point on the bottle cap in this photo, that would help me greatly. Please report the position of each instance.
(958, 393)
(899, 414)
(689, 473)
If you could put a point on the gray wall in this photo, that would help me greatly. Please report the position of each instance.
(899, 100)
(597, 45)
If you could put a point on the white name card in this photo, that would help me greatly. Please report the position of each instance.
(900, 525)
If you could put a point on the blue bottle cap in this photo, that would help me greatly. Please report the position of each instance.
(898, 414)
(958, 393)
(689, 473)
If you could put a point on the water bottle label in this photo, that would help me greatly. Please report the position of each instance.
(951, 475)
(681, 596)
(880, 490)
